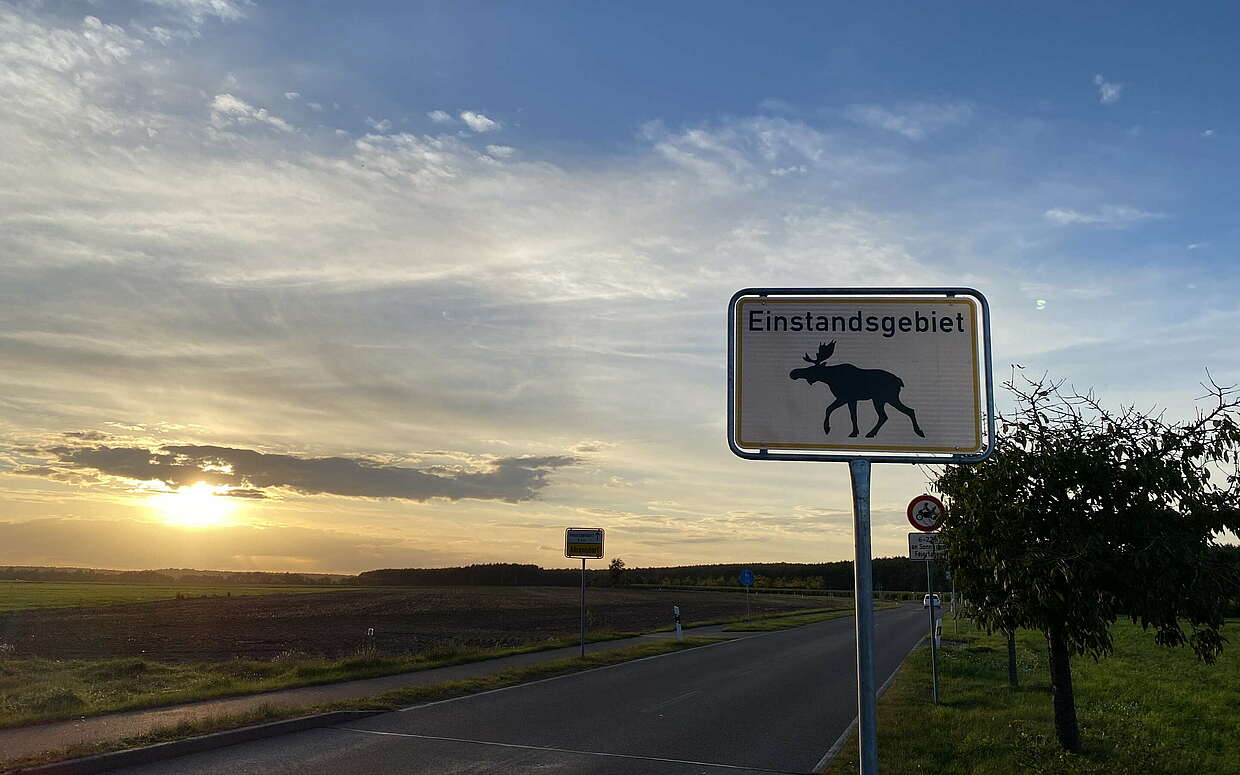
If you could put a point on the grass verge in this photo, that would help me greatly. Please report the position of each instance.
(393, 700)
(1145, 709)
(34, 691)
(788, 621)
(740, 619)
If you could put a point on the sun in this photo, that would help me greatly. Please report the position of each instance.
(199, 505)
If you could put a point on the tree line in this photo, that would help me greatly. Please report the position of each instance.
(170, 576)
(890, 573)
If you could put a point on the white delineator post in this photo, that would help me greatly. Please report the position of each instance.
(680, 634)
(863, 595)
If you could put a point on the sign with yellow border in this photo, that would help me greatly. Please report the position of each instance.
(858, 374)
(583, 543)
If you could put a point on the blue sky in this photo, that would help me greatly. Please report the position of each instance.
(476, 256)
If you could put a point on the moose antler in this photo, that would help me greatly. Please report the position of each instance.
(824, 352)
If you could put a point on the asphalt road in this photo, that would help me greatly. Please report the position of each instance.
(772, 702)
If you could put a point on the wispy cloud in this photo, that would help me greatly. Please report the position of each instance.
(198, 11)
(914, 121)
(440, 117)
(1111, 216)
(1108, 93)
(229, 111)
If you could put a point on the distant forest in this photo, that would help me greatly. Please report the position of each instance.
(890, 573)
(173, 576)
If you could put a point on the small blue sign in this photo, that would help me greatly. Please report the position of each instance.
(746, 578)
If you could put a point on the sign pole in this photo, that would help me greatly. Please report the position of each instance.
(583, 607)
(934, 651)
(863, 583)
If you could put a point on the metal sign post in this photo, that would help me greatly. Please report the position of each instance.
(863, 594)
(746, 579)
(583, 607)
(586, 543)
(927, 547)
(934, 646)
(923, 353)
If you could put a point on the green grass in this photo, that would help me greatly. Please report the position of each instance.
(38, 690)
(788, 621)
(736, 619)
(1145, 709)
(388, 701)
(19, 595)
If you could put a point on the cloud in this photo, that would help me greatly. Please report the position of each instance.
(229, 111)
(1108, 92)
(1111, 216)
(292, 95)
(378, 125)
(914, 121)
(440, 117)
(131, 544)
(1208, 133)
(511, 479)
(478, 122)
(501, 151)
(198, 11)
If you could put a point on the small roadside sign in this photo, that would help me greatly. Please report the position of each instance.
(926, 546)
(584, 543)
(746, 578)
(926, 512)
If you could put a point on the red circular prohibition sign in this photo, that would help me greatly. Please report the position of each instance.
(926, 512)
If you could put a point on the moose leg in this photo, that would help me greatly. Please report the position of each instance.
(852, 412)
(882, 418)
(826, 421)
(911, 415)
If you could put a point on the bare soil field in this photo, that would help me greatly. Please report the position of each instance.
(335, 624)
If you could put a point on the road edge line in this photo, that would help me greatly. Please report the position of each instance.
(838, 745)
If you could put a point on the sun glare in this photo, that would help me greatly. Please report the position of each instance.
(197, 506)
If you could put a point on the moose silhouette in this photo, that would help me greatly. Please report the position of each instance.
(850, 384)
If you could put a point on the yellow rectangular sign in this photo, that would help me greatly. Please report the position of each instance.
(858, 373)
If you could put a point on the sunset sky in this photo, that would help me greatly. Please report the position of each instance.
(316, 286)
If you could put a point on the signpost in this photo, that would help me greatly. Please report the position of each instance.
(926, 547)
(912, 368)
(746, 579)
(586, 543)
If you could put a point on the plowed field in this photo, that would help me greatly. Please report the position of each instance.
(335, 624)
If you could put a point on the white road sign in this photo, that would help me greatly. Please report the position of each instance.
(858, 373)
(926, 546)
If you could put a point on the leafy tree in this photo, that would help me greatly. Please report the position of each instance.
(616, 571)
(1084, 515)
